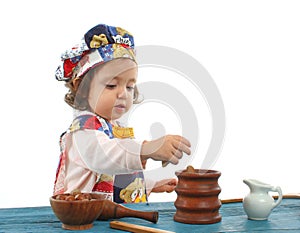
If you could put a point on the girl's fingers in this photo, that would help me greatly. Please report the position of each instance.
(183, 140)
(174, 160)
(182, 147)
(177, 145)
(178, 154)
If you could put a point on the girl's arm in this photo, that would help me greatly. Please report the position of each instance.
(117, 156)
(104, 155)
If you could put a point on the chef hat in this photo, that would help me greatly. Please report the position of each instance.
(100, 44)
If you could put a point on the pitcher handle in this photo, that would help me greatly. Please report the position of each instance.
(278, 190)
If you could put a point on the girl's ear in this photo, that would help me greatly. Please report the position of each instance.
(75, 83)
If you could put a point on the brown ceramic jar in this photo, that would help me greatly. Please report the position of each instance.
(197, 197)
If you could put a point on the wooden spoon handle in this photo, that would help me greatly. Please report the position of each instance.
(112, 210)
(135, 228)
(151, 216)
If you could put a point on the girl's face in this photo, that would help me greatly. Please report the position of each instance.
(112, 88)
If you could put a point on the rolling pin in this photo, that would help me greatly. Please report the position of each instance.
(135, 228)
(112, 210)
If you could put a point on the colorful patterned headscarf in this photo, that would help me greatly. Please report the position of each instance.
(100, 44)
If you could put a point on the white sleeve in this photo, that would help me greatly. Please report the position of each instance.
(104, 155)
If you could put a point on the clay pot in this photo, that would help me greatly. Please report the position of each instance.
(197, 197)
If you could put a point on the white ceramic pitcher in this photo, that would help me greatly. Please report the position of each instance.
(258, 204)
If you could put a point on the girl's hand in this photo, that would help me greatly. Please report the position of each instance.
(167, 185)
(169, 148)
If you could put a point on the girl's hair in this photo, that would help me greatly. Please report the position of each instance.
(77, 96)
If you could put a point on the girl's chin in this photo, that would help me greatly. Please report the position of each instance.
(116, 115)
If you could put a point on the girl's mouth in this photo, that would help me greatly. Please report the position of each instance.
(120, 107)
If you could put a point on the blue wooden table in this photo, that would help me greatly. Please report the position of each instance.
(285, 218)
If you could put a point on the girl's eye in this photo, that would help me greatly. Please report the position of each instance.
(130, 88)
(110, 86)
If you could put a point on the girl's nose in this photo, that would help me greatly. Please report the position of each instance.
(122, 93)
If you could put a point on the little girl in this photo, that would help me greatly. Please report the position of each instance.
(97, 154)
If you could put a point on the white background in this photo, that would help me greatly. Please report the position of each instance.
(250, 48)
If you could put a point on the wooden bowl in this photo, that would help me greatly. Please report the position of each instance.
(77, 214)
